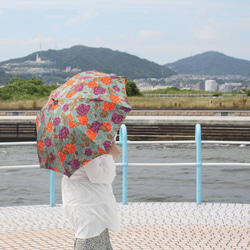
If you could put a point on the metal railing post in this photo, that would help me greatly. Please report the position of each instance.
(52, 188)
(198, 162)
(123, 142)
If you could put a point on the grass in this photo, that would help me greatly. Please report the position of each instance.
(233, 102)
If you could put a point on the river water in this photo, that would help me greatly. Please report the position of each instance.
(145, 183)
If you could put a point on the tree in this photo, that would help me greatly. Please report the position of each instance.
(132, 89)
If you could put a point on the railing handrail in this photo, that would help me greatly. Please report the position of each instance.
(123, 141)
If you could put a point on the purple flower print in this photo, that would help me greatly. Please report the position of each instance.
(99, 90)
(50, 106)
(113, 77)
(78, 87)
(96, 100)
(56, 121)
(75, 164)
(125, 109)
(43, 117)
(40, 159)
(52, 156)
(83, 109)
(116, 118)
(84, 78)
(95, 126)
(56, 95)
(88, 151)
(65, 107)
(47, 142)
(126, 99)
(106, 145)
(63, 132)
(116, 88)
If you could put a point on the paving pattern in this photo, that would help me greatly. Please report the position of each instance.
(144, 226)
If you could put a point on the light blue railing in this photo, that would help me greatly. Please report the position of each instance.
(123, 142)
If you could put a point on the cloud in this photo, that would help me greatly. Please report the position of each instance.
(149, 35)
(39, 39)
(209, 32)
(1, 12)
(87, 15)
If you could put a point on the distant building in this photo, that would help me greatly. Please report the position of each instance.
(211, 85)
(230, 86)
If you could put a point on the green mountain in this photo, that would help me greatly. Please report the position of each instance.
(100, 59)
(211, 63)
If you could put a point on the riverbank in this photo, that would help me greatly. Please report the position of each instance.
(157, 127)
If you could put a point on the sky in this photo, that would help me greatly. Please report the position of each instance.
(161, 31)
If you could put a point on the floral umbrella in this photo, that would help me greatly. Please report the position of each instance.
(80, 120)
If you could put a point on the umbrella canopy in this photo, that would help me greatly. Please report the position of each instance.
(80, 120)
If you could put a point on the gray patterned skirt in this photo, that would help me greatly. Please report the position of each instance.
(101, 242)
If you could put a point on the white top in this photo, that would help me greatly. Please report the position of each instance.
(88, 199)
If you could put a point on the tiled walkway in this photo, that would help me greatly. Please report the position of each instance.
(144, 226)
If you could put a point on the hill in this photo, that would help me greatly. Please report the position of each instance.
(100, 59)
(211, 63)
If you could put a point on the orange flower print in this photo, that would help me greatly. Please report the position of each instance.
(55, 106)
(40, 145)
(70, 147)
(115, 98)
(83, 120)
(70, 117)
(62, 156)
(55, 169)
(123, 80)
(108, 106)
(70, 82)
(107, 125)
(68, 95)
(84, 163)
(37, 123)
(92, 84)
(71, 124)
(49, 127)
(106, 80)
(92, 135)
(102, 151)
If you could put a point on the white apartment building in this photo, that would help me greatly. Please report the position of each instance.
(211, 85)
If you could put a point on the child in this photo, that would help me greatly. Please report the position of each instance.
(89, 202)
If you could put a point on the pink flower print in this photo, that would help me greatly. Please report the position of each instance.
(99, 90)
(78, 87)
(39, 159)
(88, 151)
(95, 126)
(65, 107)
(83, 109)
(75, 164)
(106, 145)
(56, 121)
(52, 156)
(56, 95)
(84, 78)
(116, 88)
(63, 132)
(43, 117)
(116, 118)
(125, 109)
(50, 106)
(47, 142)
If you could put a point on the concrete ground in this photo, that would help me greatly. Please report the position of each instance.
(144, 226)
